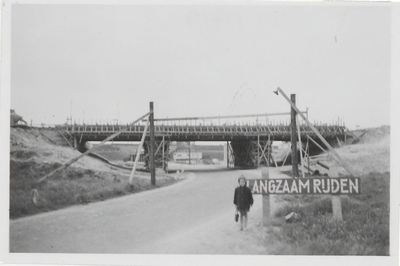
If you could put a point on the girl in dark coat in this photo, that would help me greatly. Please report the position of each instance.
(243, 199)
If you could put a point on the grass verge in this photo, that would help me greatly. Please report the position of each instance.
(364, 230)
(69, 187)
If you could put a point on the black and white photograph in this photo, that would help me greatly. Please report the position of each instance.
(199, 133)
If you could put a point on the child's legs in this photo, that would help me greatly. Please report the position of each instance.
(245, 218)
(241, 218)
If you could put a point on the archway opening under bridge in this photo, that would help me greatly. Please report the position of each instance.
(175, 156)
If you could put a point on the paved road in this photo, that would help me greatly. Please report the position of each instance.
(130, 224)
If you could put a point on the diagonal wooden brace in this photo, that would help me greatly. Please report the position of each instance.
(343, 163)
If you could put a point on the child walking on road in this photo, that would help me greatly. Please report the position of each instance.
(243, 199)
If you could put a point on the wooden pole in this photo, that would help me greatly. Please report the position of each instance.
(336, 200)
(308, 154)
(273, 160)
(138, 153)
(189, 154)
(269, 149)
(227, 154)
(316, 143)
(338, 141)
(67, 140)
(152, 148)
(90, 150)
(258, 150)
(295, 170)
(301, 148)
(284, 161)
(345, 166)
(266, 201)
(163, 152)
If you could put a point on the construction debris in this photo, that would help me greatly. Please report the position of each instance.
(292, 217)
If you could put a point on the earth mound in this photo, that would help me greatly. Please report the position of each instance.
(30, 144)
(373, 135)
(370, 155)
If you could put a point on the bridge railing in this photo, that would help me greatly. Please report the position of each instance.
(203, 129)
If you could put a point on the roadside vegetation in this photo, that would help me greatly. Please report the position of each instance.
(69, 187)
(366, 216)
(363, 231)
(88, 180)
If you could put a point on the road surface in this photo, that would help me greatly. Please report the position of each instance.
(194, 216)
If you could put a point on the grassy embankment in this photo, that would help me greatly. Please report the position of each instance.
(69, 187)
(364, 230)
(117, 152)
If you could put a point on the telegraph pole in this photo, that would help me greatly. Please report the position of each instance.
(295, 170)
(152, 164)
(189, 154)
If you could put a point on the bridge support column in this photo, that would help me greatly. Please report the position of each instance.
(241, 151)
(229, 157)
(160, 155)
(250, 153)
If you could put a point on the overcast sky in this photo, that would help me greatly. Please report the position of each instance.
(105, 62)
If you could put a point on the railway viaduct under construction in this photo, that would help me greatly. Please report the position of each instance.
(248, 145)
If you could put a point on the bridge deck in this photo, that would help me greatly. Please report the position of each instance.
(198, 132)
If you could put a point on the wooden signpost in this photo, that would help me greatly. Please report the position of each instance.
(266, 201)
(336, 201)
(333, 185)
